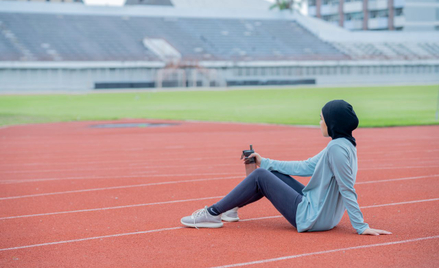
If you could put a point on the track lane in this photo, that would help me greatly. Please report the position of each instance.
(279, 239)
(61, 143)
(125, 219)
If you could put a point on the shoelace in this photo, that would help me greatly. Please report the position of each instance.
(198, 213)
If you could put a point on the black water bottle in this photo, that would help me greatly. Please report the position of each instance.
(250, 163)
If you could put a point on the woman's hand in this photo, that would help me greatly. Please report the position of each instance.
(375, 232)
(257, 157)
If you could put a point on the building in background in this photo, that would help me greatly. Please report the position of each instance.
(407, 15)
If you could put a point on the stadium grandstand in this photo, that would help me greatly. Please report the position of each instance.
(70, 46)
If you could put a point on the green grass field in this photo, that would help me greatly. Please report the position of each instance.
(375, 106)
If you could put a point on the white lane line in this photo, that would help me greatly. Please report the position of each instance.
(115, 235)
(404, 167)
(136, 162)
(138, 175)
(109, 161)
(91, 238)
(372, 206)
(185, 181)
(329, 251)
(144, 167)
(287, 153)
(109, 208)
(401, 203)
(185, 200)
(175, 228)
(118, 187)
(399, 179)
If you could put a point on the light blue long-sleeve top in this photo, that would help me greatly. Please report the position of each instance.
(330, 190)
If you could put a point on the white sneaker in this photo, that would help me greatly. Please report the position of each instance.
(202, 218)
(230, 215)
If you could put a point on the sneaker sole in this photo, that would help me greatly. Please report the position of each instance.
(229, 219)
(203, 224)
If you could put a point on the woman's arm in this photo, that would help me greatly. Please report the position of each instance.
(344, 175)
(297, 168)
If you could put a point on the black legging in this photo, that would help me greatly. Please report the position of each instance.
(284, 192)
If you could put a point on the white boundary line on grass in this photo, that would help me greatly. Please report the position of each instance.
(180, 227)
(328, 251)
(175, 182)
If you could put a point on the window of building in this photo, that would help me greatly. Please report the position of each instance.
(379, 14)
(354, 16)
(428, 69)
(365, 69)
(247, 71)
(330, 2)
(345, 70)
(399, 12)
(311, 3)
(239, 71)
(319, 70)
(270, 71)
(315, 70)
(335, 17)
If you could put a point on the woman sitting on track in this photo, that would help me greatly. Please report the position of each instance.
(320, 205)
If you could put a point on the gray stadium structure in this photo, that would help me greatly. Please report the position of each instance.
(74, 47)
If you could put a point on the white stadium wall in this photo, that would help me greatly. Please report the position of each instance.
(86, 79)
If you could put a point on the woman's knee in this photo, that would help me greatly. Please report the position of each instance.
(260, 172)
(262, 176)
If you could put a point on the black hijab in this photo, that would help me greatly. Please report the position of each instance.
(340, 119)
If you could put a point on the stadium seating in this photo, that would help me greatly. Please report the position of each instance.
(393, 51)
(51, 37)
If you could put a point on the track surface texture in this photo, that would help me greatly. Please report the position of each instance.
(72, 195)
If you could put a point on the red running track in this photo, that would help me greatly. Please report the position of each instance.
(76, 196)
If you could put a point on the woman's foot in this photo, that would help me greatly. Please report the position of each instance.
(202, 219)
(230, 215)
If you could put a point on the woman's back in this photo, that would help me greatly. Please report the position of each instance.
(331, 190)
